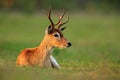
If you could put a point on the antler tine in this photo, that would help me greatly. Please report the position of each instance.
(60, 17)
(49, 17)
(63, 23)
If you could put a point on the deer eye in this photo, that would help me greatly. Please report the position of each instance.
(57, 35)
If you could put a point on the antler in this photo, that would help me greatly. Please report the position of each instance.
(49, 17)
(59, 23)
(60, 20)
(60, 17)
(63, 23)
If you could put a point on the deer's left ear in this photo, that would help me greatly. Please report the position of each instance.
(62, 29)
(49, 30)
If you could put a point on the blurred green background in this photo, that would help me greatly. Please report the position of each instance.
(71, 5)
(93, 29)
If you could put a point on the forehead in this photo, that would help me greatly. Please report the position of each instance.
(57, 31)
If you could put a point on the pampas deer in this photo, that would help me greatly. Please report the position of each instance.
(42, 55)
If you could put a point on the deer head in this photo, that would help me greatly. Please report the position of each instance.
(54, 32)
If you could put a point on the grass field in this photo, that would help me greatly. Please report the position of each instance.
(94, 55)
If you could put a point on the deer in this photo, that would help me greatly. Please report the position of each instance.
(42, 55)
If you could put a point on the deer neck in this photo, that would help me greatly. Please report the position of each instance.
(45, 49)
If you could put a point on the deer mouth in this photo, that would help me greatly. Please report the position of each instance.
(65, 46)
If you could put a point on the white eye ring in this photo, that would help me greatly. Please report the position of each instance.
(57, 35)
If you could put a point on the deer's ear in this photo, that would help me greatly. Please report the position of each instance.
(49, 29)
(63, 28)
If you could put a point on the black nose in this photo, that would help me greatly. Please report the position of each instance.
(69, 44)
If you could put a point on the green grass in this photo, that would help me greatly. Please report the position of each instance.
(94, 55)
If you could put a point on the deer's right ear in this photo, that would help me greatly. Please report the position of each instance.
(62, 29)
(49, 30)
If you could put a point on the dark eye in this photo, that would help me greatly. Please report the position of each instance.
(56, 35)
